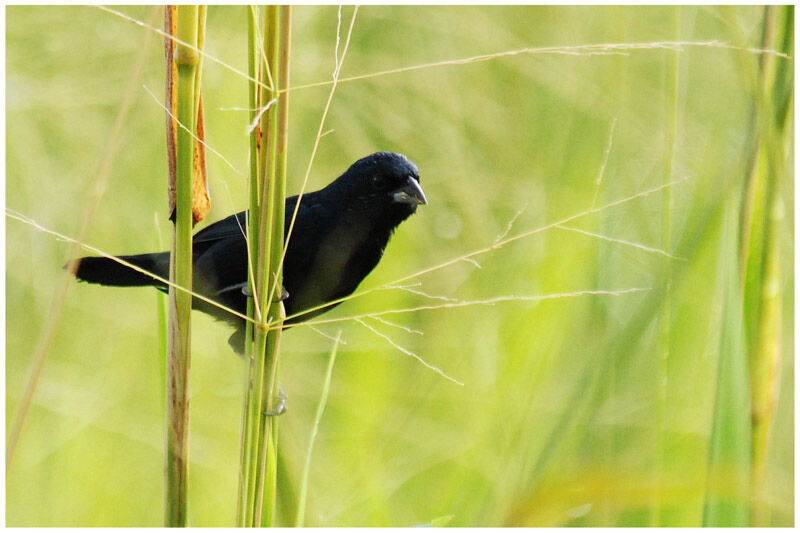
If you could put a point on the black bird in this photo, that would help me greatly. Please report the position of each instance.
(339, 236)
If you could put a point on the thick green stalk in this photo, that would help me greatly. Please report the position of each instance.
(268, 161)
(760, 250)
(766, 328)
(766, 358)
(263, 217)
(248, 416)
(727, 498)
(180, 302)
(277, 41)
(161, 311)
(281, 147)
(750, 182)
(267, 197)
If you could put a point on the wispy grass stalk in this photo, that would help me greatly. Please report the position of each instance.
(496, 245)
(575, 50)
(323, 401)
(578, 50)
(180, 302)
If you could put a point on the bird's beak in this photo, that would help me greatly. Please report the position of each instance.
(410, 193)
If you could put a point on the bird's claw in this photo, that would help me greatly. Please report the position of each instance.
(279, 401)
(284, 294)
(282, 298)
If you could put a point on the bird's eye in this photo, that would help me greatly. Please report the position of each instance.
(378, 182)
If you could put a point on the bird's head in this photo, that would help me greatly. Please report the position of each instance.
(384, 183)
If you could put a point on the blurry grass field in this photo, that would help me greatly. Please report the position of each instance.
(581, 410)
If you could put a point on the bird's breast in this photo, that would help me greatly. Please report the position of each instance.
(344, 255)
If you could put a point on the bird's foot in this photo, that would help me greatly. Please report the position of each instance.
(284, 294)
(282, 298)
(279, 403)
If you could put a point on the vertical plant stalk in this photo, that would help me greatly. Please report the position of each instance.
(248, 423)
(251, 418)
(201, 199)
(263, 218)
(162, 313)
(279, 53)
(727, 497)
(749, 188)
(765, 360)
(180, 302)
(171, 100)
(269, 143)
(765, 326)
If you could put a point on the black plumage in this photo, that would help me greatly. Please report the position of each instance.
(339, 236)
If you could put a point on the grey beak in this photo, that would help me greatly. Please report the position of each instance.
(410, 193)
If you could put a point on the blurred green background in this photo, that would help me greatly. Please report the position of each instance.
(580, 411)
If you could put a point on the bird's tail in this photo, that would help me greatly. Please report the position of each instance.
(106, 271)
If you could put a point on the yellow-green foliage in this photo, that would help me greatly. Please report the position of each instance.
(567, 415)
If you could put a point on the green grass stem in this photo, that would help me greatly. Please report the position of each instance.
(264, 217)
(248, 414)
(765, 357)
(727, 498)
(162, 313)
(323, 401)
(258, 472)
(759, 252)
(180, 303)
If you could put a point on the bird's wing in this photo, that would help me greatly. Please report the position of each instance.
(232, 226)
(308, 214)
(236, 225)
(220, 252)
